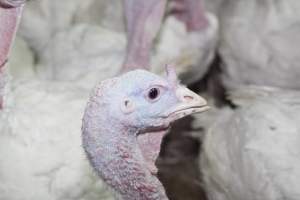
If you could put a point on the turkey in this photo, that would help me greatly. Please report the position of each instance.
(40, 146)
(190, 45)
(68, 50)
(259, 43)
(40, 153)
(69, 46)
(124, 122)
(252, 153)
(40, 130)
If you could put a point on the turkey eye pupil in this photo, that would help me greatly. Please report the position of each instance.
(153, 93)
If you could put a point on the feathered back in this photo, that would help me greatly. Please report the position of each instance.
(252, 152)
(243, 96)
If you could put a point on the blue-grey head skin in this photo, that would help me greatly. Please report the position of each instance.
(121, 109)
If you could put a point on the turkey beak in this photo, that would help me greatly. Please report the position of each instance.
(189, 103)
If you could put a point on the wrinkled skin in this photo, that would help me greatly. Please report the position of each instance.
(123, 128)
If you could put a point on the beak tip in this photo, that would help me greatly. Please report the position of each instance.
(202, 101)
(208, 108)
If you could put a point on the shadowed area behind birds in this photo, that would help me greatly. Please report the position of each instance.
(177, 164)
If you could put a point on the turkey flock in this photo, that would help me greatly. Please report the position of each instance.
(89, 97)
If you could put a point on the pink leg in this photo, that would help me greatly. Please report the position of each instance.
(192, 13)
(10, 12)
(143, 18)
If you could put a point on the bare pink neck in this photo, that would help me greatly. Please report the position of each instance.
(9, 18)
(143, 22)
(114, 153)
(197, 20)
(192, 13)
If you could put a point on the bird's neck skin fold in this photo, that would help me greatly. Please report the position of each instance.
(117, 158)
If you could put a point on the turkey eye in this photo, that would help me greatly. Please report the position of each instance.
(153, 93)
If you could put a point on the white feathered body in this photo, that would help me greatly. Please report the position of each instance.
(191, 52)
(253, 153)
(259, 43)
(40, 145)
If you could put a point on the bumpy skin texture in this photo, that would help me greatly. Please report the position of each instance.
(120, 119)
(113, 151)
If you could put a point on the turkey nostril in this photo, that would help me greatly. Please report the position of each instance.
(188, 98)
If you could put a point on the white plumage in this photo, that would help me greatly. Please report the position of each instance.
(40, 145)
(259, 43)
(70, 43)
(252, 153)
(191, 52)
